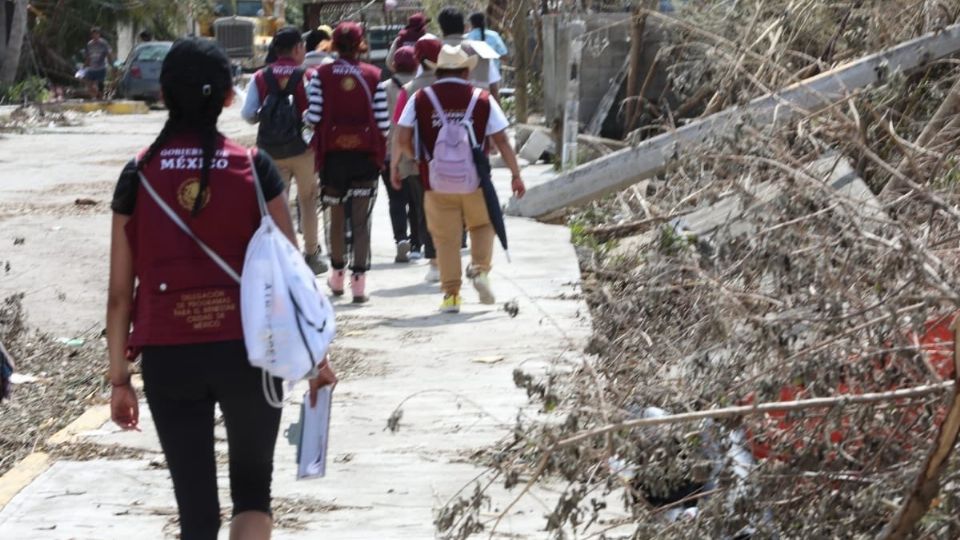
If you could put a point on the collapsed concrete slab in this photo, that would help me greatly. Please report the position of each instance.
(729, 217)
(628, 166)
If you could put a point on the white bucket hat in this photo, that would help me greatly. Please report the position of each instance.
(453, 57)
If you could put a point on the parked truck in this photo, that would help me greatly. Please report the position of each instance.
(244, 29)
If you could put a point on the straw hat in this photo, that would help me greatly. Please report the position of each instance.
(453, 57)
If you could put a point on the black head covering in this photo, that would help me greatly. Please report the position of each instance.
(287, 38)
(193, 72)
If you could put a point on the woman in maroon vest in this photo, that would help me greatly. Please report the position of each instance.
(185, 310)
(348, 107)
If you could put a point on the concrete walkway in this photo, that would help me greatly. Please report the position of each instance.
(453, 375)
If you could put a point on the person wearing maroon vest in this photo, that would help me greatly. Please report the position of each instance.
(415, 29)
(183, 308)
(448, 212)
(348, 107)
(290, 49)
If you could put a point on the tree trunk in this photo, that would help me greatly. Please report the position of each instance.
(18, 32)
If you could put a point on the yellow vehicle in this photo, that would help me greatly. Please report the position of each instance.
(245, 33)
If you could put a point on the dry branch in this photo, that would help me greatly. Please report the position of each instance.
(780, 281)
(607, 232)
(765, 408)
(927, 485)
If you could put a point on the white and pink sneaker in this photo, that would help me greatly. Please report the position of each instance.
(358, 285)
(335, 281)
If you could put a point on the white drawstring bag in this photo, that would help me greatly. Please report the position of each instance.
(288, 323)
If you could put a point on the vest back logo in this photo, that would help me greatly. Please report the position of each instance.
(348, 84)
(187, 194)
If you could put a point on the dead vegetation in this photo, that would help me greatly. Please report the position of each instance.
(27, 117)
(62, 384)
(816, 261)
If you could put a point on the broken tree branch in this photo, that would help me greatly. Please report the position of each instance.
(927, 485)
(623, 229)
(780, 406)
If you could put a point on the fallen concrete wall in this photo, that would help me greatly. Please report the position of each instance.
(628, 166)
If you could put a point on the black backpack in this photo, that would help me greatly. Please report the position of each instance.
(280, 122)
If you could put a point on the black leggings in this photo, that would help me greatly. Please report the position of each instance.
(182, 384)
(417, 192)
(349, 185)
(404, 210)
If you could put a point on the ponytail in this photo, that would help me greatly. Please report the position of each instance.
(209, 136)
(479, 20)
(162, 138)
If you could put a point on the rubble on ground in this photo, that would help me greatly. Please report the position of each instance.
(812, 260)
(26, 117)
(57, 379)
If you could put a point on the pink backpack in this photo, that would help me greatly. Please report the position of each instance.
(451, 167)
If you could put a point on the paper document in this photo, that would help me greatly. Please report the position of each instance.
(314, 435)
(483, 49)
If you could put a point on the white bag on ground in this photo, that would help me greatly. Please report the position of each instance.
(288, 323)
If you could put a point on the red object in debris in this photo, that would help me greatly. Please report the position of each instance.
(936, 344)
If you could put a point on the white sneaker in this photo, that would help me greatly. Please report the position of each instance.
(433, 274)
(481, 282)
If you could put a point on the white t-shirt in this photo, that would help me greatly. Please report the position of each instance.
(496, 122)
(494, 75)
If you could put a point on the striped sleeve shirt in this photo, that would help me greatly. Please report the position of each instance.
(314, 113)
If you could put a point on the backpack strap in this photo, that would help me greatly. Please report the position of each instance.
(357, 74)
(468, 116)
(261, 202)
(186, 229)
(273, 87)
(261, 199)
(436, 104)
(295, 78)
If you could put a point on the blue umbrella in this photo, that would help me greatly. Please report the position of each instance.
(482, 162)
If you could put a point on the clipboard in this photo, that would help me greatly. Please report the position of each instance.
(311, 435)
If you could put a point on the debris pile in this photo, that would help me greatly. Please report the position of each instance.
(27, 117)
(56, 381)
(774, 315)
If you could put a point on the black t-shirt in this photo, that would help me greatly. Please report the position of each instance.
(125, 194)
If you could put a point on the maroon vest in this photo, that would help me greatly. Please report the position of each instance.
(408, 37)
(182, 296)
(282, 70)
(347, 123)
(455, 98)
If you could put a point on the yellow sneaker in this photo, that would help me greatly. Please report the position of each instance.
(451, 304)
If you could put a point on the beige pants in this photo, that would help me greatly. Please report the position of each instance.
(302, 168)
(446, 215)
